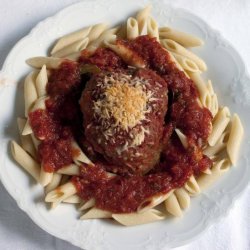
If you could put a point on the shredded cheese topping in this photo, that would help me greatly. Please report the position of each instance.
(125, 99)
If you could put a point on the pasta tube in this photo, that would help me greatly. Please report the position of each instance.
(235, 138)
(218, 169)
(133, 219)
(172, 206)
(41, 81)
(70, 38)
(50, 62)
(95, 213)
(72, 48)
(55, 182)
(152, 202)
(30, 93)
(153, 28)
(142, 19)
(61, 193)
(178, 49)
(192, 186)
(26, 140)
(219, 125)
(25, 160)
(132, 28)
(182, 197)
(182, 38)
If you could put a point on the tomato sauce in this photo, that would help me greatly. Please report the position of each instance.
(62, 121)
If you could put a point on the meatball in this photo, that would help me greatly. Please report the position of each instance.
(123, 115)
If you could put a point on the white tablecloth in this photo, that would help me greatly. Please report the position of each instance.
(230, 17)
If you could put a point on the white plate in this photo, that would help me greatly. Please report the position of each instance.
(225, 69)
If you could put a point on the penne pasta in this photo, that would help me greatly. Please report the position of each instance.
(133, 219)
(26, 140)
(178, 49)
(142, 19)
(61, 193)
(71, 169)
(218, 169)
(152, 28)
(78, 156)
(96, 31)
(152, 202)
(219, 125)
(74, 199)
(176, 63)
(39, 104)
(186, 63)
(108, 35)
(211, 151)
(207, 171)
(41, 81)
(25, 160)
(201, 86)
(88, 204)
(172, 206)
(132, 28)
(55, 182)
(72, 48)
(210, 87)
(95, 213)
(70, 38)
(30, 93)
(45, 177)
(27, 130)
(74, 57)
(35, 141)
(126, 54)
(192, 186)
(235, 138)
(183, 197)
(186, 40)
(50, 62)
(214, 105)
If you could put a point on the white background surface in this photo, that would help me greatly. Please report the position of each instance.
(230, 17)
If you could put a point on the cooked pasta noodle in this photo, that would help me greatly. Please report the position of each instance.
(41, 81)
(186, 63)
(72, 48)
(132, 28)
(218, 169)
(219, 125)
(95, 213)
(70, 38)
(235, 138)
(25, 160)
(142, 19)
(152, 29)
(26, 140)
(133, 219)
(182, 38)
(192, 186)
(50, 62)
(172, 206)
(30, 93)
(178, 49)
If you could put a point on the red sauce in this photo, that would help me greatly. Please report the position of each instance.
(62, 121)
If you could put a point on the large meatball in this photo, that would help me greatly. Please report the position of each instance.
(123, 118)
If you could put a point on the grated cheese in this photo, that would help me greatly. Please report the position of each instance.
(125, 101)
